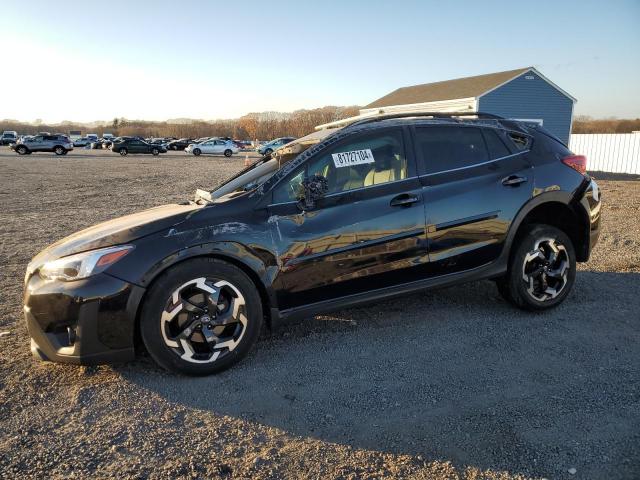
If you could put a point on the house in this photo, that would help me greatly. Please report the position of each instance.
(523, 94)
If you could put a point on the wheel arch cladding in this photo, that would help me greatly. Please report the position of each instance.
(563, 216)
(250, 272)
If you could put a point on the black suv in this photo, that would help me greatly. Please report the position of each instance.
(126, 145)
(378, 208)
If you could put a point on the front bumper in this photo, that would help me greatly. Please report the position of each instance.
(85, 322)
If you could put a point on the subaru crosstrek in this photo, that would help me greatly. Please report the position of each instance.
(378, 208)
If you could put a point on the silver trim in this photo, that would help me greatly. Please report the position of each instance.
(475, 164)
(350, 191)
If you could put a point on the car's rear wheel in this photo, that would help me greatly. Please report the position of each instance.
(268, 151)
(123, 151)
(542, 270)
(197, 151)
(228, 153)
(201, 317)
(59, 150)
(155, 151)
(22, 150)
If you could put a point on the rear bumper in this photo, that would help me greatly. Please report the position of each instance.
(87, 322)
(591, 203)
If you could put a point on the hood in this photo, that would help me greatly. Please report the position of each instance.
(118, 231)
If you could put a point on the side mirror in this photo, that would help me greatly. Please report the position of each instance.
(311, 189)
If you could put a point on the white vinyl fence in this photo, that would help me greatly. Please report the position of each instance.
(608, 152)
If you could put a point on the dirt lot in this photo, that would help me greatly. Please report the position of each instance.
(446, 384)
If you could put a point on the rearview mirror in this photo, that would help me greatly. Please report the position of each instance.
(311, 189)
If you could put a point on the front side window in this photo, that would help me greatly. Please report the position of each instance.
(363, 161)
(450, 147)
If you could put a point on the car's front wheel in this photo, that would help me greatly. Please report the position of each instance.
(22, 150)
(155, 151)
(197, 151)
(59, 150)
(123, 151)
(542, 269)
(268, 151)
(201, 317)
(228, 153)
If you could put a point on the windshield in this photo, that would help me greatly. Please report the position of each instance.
(259, 172)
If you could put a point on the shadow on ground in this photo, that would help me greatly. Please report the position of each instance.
(454, 374)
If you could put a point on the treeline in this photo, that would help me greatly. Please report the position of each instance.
(585, 124)
(262, 126)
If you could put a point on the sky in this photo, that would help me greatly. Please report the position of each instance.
(156, 60)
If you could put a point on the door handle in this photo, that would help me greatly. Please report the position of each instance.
(404, 200)
(513, 180)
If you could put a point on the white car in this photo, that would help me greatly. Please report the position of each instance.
(213, 145)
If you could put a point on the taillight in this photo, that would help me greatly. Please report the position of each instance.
(577, 162)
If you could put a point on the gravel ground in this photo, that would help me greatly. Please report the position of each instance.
(449, 384)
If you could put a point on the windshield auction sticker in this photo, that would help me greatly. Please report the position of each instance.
(356, 157)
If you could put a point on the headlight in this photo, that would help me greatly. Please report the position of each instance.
(83, 265)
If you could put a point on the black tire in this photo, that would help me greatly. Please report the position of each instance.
(545, 256)
(155, 152)
(228, 153)
(22, 150)
(59, 150)
(159, 303)
(268, 151)
(197, 151)
(123, 151)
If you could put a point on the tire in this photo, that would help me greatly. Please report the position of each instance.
(59, 150)
(155, 152)
(124, 151)
(181, 337)
(228, 153)
(197, 151)
(22, 150)
(268, 151)
(542, 269)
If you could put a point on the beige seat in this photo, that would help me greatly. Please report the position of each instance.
(375, 177)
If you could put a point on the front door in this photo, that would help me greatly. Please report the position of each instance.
(475, 181)
(366, 233)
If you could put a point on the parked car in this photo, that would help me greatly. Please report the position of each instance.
(135, 145)
(269, 147)
(59, 144)
(8, 137)
(380, 207)
(214, 145)
(179, 144)
(82, 142)
(97, 144)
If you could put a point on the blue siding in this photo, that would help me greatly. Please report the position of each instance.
(522, 98)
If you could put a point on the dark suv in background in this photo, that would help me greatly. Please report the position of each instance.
(380, 207)
(126, 145)
(59, 144)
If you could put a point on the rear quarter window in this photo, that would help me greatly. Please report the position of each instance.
(519, 141)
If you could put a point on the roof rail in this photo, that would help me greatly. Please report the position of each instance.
(425, 114)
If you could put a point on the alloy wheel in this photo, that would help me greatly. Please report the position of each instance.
(545, 268)
(204, 320)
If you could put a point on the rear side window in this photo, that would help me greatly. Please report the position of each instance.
(451, 147)
(497, 148)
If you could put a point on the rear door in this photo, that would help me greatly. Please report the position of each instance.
(366, 233)
(475, 183)
(36, 144)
